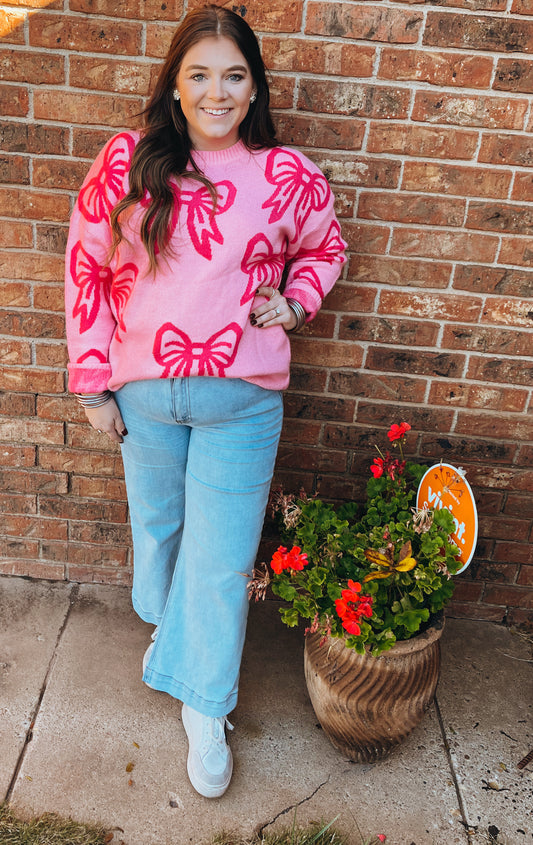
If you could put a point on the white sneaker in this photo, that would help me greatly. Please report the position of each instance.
(209, 763)
(148, 652)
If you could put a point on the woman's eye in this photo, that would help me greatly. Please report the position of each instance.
(236, 77)
(198, 77)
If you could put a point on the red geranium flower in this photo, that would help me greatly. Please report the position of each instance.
(398, 431)
(352, 606)
(377, 467)
(282, 559)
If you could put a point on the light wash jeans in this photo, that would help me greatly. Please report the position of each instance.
(198, 459)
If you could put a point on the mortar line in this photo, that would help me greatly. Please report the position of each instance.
(34, 714)
(457, 786)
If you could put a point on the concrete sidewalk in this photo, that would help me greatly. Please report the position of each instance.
(81, 735)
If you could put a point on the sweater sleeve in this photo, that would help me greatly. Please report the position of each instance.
(316, 257)
(88, 277)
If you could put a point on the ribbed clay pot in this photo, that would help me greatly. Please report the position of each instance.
(368, 705)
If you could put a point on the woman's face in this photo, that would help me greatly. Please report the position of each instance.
(215, 84)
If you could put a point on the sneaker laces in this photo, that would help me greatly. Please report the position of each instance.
(214, 734)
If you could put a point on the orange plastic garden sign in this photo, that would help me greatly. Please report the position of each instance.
(444, 486)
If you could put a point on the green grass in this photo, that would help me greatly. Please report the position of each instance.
(48, 829)
(313, 834)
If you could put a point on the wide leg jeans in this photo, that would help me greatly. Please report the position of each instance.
(198, 459)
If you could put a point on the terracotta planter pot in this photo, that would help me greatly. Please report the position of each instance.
(368, 705)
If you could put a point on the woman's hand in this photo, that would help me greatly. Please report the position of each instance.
(107, 418)
(275, 312)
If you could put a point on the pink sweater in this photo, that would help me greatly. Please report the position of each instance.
(192, 317)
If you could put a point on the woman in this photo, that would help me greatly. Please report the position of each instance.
(178, 344)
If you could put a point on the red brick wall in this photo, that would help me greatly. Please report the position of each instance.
(419, 115)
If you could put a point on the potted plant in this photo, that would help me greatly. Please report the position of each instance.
(371, 580)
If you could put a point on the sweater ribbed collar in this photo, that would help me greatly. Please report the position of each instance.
(213, 157)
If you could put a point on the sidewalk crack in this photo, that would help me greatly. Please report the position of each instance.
(469, 828)
(259, 831)
(35, 712)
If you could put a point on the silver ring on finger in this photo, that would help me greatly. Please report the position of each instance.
(272, 295)
(99, 430)
(277, 311)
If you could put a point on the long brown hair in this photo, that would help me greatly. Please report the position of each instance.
(164, 150)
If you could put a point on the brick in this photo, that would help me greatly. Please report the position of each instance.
(504, 528)
(449, 69)
(170, 10)
(18, 504)
(325, 353)
(476, 5)
(467, 590)
(99, 532)
(424, 141)
(14, 168)
(474, 110)
(508, 550)
(82, 555)
(515, 312)
(322, 326)
(333, 58)
(317, 459)
(33, 482)
(15, 294)
(60, 408)
(414, 362)
(33, 569)
(276, 16)
(465, 610)
(20, 456)
(444, 245)
(502, 370)
(85, 437)
(32, 526)
(300, 431)
(523, 187)
(158, 39)
(421, 419)
(98, 487)
(32, 324)
(36, 266)
(51, 239)
(87, 574)
(37, 381)
(516, 251)
(525, 577)
(355, 170)
(518, 504)
(73, 107)
(31, 431)
(61, 175)
(478, 32)
(17, 404)
(522, 7)
(34, 205)
(32, 137)
(355, 298)
(514, 75)
(509, 595)
(345, 202)
(353, 98)
(363, 238)
(490, 503)
(379, 386)
(494, 280)
(14, 101)
(464, 395)
(15, 235)
(93, 35)
(500, 217)
(503, 148)
(484, 425)
(12, 26)
(328, 132)
(301, 406)
(15, 352)
(363, 22)
(82, 509)
(455, 179)
(388, 330)
(51, 355)
(522, 620)
(398, 271)
(87, 143)
(105, 74)
(83, 463)
(484, 339)
(411, 208)
(32, 68)
(282, 92)
(49, 297)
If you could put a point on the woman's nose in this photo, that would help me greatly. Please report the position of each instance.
(216, 89)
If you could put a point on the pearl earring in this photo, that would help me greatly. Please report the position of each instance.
(253, 97)
(176, 94)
